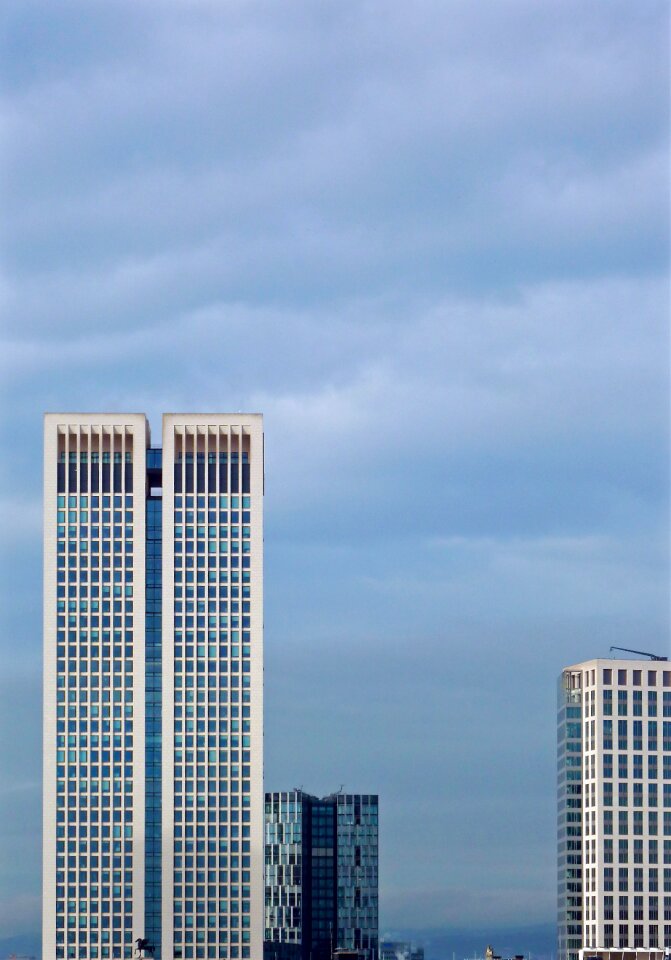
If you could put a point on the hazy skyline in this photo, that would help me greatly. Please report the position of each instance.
(430, 243)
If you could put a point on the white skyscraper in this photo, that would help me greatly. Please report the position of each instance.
(153, 686)
(614, 806)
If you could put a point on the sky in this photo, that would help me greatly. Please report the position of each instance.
(429, 241)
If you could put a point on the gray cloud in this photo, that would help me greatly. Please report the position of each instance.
(353, 161)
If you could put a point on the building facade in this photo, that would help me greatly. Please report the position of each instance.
(321, 875)
(614, 806)
(153, 686)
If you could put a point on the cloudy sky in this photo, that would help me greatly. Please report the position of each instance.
(429, 242)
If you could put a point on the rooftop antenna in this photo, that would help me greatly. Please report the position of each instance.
(641, 653)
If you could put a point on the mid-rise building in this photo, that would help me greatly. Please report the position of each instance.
(153, 687)
(321, 875)
(614, 806)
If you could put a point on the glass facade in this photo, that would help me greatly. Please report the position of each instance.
(284, 874)
(153, 698)
(92, 733)
(153, 722)
(321, 875)
(357, 872)
(569, 815)
(320, 859)
(212, 729)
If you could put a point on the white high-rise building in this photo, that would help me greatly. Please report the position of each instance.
(153, 687)
(614, 806)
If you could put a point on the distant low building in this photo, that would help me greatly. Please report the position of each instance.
(400, 950)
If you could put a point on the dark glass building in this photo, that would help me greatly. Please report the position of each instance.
(321, 875)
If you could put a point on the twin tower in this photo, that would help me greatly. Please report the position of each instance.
(153, 686)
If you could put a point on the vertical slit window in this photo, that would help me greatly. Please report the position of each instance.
(212, 472)
(223, 473)
(106, 471)
(72, 473)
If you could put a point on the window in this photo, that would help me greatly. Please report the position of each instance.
(622, 734)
